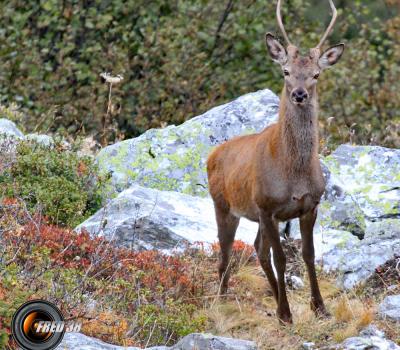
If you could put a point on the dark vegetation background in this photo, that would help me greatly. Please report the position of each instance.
(182, 57)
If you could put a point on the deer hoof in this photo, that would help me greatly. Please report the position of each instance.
(222, 291)
(285, 319)
(320, 310)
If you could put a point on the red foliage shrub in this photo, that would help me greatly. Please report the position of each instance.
(239, 248)
(100, 258)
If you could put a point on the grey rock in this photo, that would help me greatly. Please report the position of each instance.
(390, 308)
(79, 341)
(145, 218)
(308, 346)
(9, 128)
(296, 282)
(75, 341)
(370, 338)
(11, 135)
(200, 341)
(174, 158)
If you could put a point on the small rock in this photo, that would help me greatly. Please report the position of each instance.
(390, 308)
(44, 140)
(308, 346)
(297, 282)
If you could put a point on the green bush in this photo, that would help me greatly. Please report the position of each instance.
(63, 186)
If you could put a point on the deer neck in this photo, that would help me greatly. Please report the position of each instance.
(298, 133)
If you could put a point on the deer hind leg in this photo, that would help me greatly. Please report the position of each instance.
(263, 249)
(227, 226)
(306, 227)
(269, 230)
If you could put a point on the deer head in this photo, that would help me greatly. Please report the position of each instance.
(301, 73)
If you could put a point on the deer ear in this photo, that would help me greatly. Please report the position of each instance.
(331, 56)
(276, 50)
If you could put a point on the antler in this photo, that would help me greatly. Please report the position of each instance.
(334, 16)
(280, 23)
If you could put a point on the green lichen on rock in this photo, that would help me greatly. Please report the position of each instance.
(369, 174)
(151, 163)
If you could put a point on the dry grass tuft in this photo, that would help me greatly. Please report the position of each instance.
(343, 312)
(366, 318)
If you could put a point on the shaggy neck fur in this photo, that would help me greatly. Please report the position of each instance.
(298, 132)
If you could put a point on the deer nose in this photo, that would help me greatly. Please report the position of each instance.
(299, 95)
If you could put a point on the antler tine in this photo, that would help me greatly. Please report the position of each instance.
(334, 17)
(280, 23)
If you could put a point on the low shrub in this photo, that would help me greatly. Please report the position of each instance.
(165, 324)
(63, 186)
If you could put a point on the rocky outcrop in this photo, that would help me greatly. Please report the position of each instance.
(390, 308)
(145, 218)
(78, 341)
(173, 158)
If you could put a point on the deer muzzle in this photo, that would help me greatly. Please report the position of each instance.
(299, 96)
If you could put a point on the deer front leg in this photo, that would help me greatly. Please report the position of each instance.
(263, 250)
(306, 227)
(269, 231)
(227, 225)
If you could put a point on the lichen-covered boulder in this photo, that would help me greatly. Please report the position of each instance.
(339, 209)
(144, 218)
(174, 158)
(358, 226)
(372, 175)
(355, 260)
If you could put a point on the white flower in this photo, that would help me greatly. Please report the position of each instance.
(108, 78)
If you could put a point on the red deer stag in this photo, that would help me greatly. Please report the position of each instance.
(275, 175)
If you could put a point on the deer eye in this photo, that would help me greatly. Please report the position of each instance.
(286, 72)
(316, 76)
